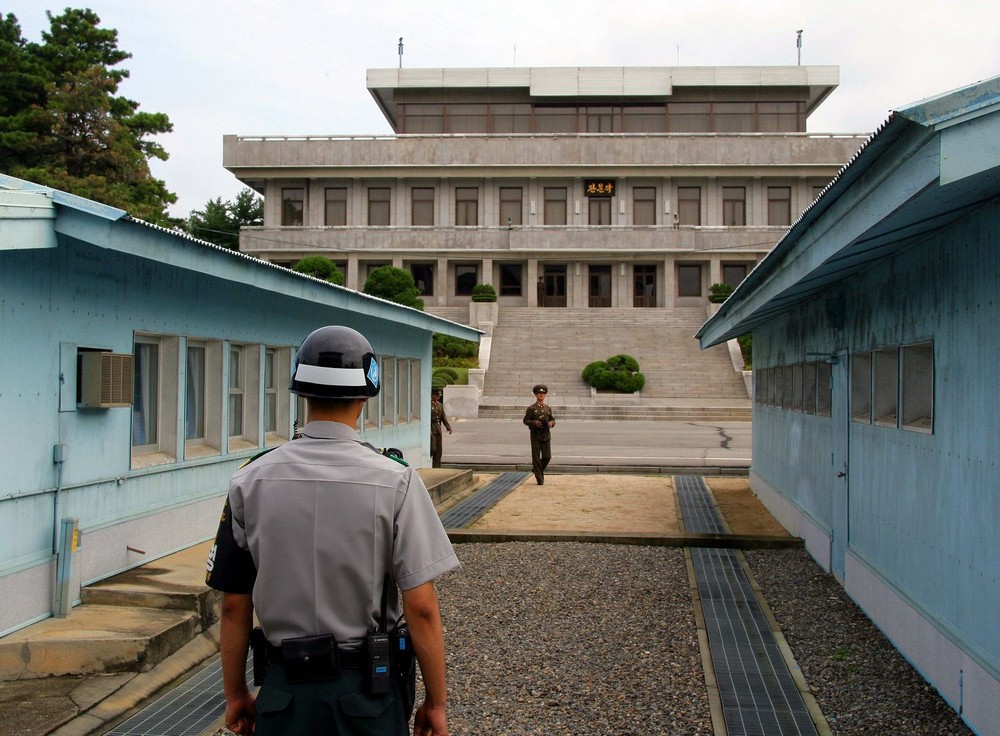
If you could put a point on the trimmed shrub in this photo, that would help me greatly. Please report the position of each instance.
(617, 373)
(320, 267)
(394, 285)
(483, 293)
(446, 346)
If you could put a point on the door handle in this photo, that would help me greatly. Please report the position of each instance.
(841, 474)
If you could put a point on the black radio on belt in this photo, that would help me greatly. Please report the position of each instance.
(377, 663)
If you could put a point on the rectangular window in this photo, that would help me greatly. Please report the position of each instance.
(510, 279)
(511, 208)
(388, 391)
(336, 207)
(145, 406)
(885, 387)
(467, 118)
(466, 276)
(777, 384)
(466, 206)
(292, 206)
(403, 391)
(270, 393)
(415, 400)
(599, 210)
(555, 119)
(643, 205)
(734, 206)
(422, 206)
(797, 387)
(194, 395)
(688, 117)
(809, 388)
(824, 389)
(510, 118)
(918, 387)
(555, 206)
(378, 207)
(237, 383)
(643, 119)
(421, 118)
(779, 206)
(787, 387)
(643, 285)
(423, 277)
(779, 117)
(689, 205)
(733, 117)
(861, 387)
(689, 279)
(734, 273)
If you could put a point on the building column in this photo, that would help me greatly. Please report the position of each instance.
(353, 267)
(486, 277)
(442, 287)
(531, 282)
(715, 270)
(669, 280)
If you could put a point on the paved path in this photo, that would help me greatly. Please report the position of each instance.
(590, 444)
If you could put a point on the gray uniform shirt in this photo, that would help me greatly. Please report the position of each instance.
(325, 517)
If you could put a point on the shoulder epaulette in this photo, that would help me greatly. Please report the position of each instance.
(251, 459)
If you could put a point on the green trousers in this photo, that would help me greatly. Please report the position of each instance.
(329, 708)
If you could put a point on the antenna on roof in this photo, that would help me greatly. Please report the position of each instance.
(400, 52)
(798, 44)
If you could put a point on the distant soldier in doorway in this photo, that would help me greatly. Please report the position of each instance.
(438, 417)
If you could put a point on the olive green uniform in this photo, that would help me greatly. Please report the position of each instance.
(541, 445)
(438, 417)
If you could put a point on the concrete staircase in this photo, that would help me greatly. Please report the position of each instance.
(552, 346)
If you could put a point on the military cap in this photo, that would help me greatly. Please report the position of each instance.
(436, 392)
(540, 388)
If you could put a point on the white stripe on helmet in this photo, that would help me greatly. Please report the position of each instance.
(324, 376)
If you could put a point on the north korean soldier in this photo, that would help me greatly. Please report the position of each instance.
(438, 417)
(317, 538)
(539, 420)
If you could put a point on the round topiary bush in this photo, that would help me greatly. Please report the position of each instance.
(617, 373)
(484, 293)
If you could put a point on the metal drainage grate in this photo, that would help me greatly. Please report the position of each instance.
(697, 508)
(759, 696)
(465, 513)
(187, 710)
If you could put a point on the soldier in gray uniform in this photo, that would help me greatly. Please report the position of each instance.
(315, 537)
(539, 420)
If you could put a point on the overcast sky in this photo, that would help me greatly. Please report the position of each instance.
(294, 67)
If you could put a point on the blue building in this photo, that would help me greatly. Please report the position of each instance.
(876, 417)
(138, 368)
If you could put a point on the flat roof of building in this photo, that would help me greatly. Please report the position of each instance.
(580, 82)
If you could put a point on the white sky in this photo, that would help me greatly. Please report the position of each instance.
(295, 67)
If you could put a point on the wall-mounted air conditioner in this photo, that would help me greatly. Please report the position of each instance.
(106, 379)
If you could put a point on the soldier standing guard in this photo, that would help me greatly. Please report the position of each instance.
(438, 417)
(539, 420)
(317, 538)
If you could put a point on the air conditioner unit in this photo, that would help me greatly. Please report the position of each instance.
(106, 379)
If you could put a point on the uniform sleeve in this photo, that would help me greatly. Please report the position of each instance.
(422, 550)
(528, 420)
(230, 567)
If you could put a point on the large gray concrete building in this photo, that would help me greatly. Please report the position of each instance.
(561, 187)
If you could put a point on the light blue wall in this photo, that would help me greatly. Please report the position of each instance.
(53, 299)
(924, 508)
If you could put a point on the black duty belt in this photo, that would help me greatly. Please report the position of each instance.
(352, 659)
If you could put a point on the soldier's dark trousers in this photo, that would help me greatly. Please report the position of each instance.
(436, 449)
(541, 453)
(329, 708)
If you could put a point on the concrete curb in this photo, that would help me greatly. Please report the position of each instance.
(143, 686)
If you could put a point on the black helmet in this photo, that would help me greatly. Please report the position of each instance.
(335, 363)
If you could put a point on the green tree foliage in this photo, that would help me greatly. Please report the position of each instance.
(395, 285)
(220, 222)
(63, 124)
(617, 373)
(455, 352)
(320, 267)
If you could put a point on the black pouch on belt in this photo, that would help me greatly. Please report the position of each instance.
(310, 658)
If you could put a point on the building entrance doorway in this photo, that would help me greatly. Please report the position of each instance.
(644, 280)
(554, 287)
(600, 286)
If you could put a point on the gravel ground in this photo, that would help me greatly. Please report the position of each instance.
(862, 684)
(567, 639)
(572, 639)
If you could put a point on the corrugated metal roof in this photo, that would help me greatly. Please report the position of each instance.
(774, 287)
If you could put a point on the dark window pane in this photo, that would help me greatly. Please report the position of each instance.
(422, 206)
(466, 206)
(734, 210)
(688, 279)
(510, 279)
(644, 205)
(336, 206)
(378, 206)
(510, 206)
(466, 276)
(689, 205)
(292, 206)
(555, 206)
